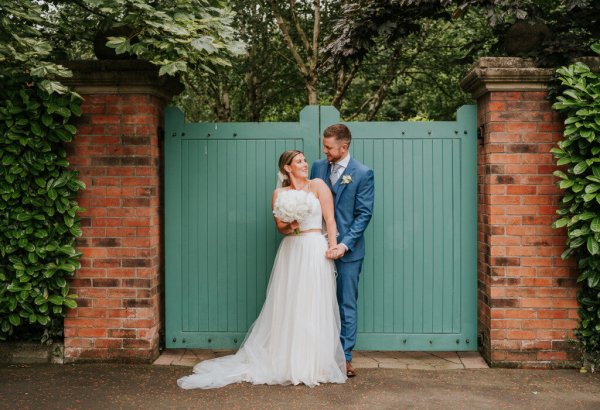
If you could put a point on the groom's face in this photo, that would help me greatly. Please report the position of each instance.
(334, 149)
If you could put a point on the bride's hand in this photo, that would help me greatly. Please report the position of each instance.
(331, 253)
(336, 251)
(294, 225)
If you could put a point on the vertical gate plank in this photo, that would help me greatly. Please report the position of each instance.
(418, 237)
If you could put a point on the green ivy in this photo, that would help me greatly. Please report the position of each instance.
(38, 213)
(579, 154)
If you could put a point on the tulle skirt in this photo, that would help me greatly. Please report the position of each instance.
(296, 337)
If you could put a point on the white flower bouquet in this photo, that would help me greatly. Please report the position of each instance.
(293, 205)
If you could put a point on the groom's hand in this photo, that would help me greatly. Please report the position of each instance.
(331, 253)
(336, 252)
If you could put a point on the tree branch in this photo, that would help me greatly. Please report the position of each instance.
(357, 112)
(345, 81)
(391, 73)
(316, 33)
(423, 80)
(288, 38)
(299, 29)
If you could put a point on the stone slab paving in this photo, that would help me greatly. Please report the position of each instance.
(361, 360)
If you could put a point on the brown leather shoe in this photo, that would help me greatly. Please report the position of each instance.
(350, 372)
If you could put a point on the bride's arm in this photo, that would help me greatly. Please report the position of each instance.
(326, 200)
(283, 227)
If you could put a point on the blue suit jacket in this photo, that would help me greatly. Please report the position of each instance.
(353, 204)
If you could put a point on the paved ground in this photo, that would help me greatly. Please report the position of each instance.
(108, 386)
(361, 359)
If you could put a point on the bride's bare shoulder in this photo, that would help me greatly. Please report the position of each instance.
(319, 187)
(318, 183)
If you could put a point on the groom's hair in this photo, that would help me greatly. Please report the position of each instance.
(338, 131)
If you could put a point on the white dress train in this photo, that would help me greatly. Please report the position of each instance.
(296, 337)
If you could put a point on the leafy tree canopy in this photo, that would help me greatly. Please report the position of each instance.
(573, 25)
(178, 35)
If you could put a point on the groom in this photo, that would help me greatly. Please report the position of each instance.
(352, 186)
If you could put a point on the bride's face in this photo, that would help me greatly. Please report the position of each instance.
(299, 167)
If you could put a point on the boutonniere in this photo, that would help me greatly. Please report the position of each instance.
(346, 179)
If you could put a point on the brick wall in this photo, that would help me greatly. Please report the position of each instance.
(526, 292)
(117, 152)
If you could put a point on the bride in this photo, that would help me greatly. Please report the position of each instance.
(296, 337)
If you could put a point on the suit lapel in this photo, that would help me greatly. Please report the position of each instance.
(340, 187)
(325, 176)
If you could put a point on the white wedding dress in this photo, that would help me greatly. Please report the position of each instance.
(296, 337)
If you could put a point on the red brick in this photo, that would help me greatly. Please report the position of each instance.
(121, 313)
(138, 323)
(108, 303)
(538, 324)
(107, 119)
(553, 314)
(78, 342)
(94, 353)
(122, 333)
(521, 127)
(108, 343)
(91, 312)
(564, 324)
(521, 334)
(505, 95)
(555, 356)
(91, 332)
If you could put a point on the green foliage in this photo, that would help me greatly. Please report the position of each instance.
(431, 63)
(579, 153)
(573, 24)
(415, 74)
(176, 35)
(24, 48)
(259, 85)
(38, 211)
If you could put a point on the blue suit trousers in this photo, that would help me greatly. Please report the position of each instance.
(347, 294)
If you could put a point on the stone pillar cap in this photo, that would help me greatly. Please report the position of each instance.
(505, 74)
(120, 77)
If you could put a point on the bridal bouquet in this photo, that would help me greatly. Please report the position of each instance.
(293, 205)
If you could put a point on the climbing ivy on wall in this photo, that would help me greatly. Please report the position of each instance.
(579, 153)
(38, 209)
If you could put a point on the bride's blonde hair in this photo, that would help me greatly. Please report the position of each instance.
(286, 159)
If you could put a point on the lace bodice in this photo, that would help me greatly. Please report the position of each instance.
(314, 220)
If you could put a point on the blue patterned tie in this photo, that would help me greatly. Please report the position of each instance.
(334, 173)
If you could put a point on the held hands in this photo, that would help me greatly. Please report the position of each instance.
(335, 252)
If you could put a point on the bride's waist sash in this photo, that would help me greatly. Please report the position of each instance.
(306, 233)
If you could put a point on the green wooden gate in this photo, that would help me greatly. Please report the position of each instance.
(418, 285)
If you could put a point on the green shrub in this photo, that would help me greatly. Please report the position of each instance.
(38, 211)
(579, 152)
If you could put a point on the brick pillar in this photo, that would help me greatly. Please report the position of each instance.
(117, 152)
(526, 292)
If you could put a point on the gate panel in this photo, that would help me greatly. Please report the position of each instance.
(418, 285)
(220, 235)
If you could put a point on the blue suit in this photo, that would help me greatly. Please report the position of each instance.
(353, 204)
